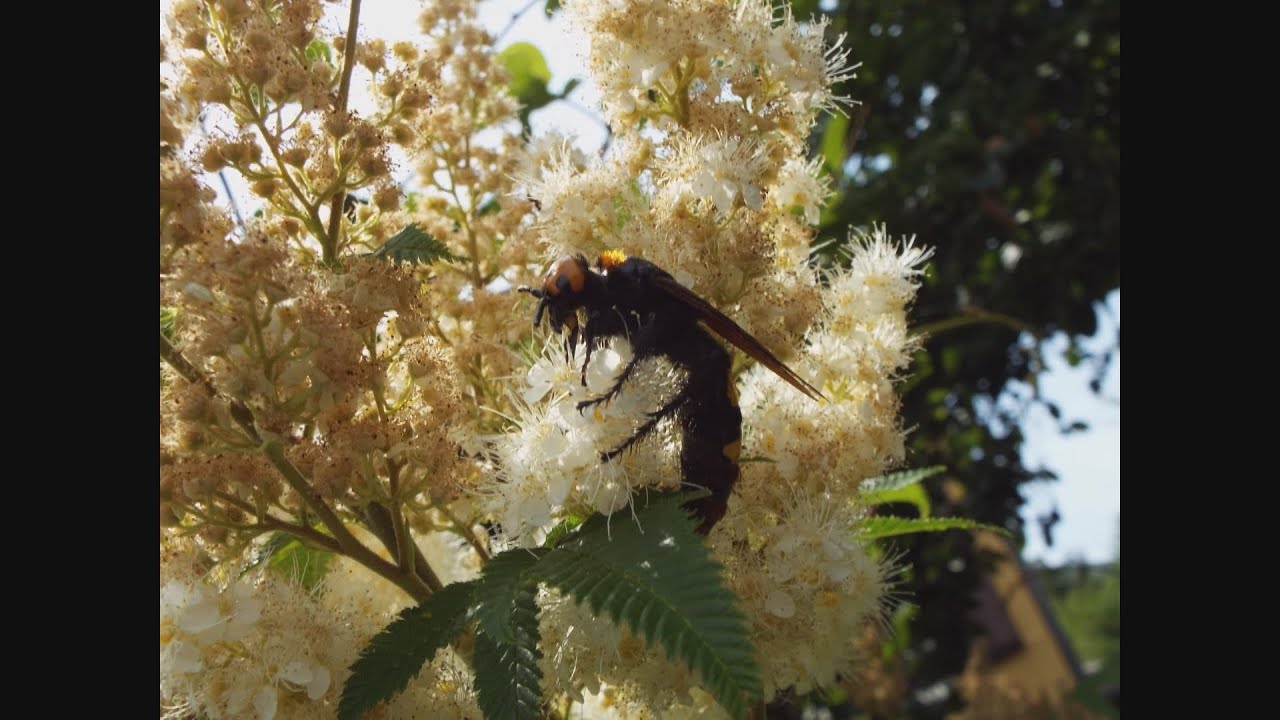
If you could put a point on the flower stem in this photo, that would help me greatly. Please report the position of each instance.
(419, 585)
(330, 240)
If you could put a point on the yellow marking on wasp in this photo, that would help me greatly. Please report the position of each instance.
(610, 259)
(733, 451)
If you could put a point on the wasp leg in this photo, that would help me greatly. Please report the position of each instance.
(600, 326)
(643, 344)
(643, 431)
(588, 339)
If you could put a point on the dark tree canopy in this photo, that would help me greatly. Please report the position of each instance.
(990, 130)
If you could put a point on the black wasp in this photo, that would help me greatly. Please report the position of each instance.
(632, 297)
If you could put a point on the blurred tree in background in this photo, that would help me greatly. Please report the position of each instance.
(991, 130)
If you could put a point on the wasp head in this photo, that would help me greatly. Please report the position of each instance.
(565, 288)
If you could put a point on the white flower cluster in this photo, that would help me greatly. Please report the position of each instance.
(222, 653)
(551, 464)
(262, 647)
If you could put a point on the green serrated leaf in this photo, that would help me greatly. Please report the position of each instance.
(413, 245)
(872, 490)
(507, 674)
(301, 564)
(878, 528)
(168, 318)
(912, 494)
(319, 50)
(395, 656)
(529, 74)
(503, 579)
(833, 144)
(656, 576)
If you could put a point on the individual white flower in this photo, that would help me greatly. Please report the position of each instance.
(801, 185)
(722, 169)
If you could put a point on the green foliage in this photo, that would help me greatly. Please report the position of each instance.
(656, 576)
(502, 580)
(1086, 601)
(397, 654)
(527, 68)
(833, 143)
(507, 674)
(651, 572)
(168, 320)
(912, 494)
(297, 562)
(319, 50)
(413, 245)
(873, 489)
(878, 528)
(488, 205)
(529, 78)
(562, 530)
(1090, 614)
(266, 551)
(899, 487)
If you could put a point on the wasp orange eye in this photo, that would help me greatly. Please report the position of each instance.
(568, 273)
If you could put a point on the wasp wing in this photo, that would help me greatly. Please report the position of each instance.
(731, 331)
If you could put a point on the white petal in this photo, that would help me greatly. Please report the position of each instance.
(297, 672)
(751, 196)
(200, 616)
(319, 684)
(248, 606)
(185, 657)
(703, 184)
(788, 542)
(550, 444)
(579, 454)
(780, 604)
(558, 487)
(723, 196)
(197, 293)
(535, 392)
(264, 702)
(837, 572)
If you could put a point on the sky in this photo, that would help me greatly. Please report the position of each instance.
(1087, 493)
